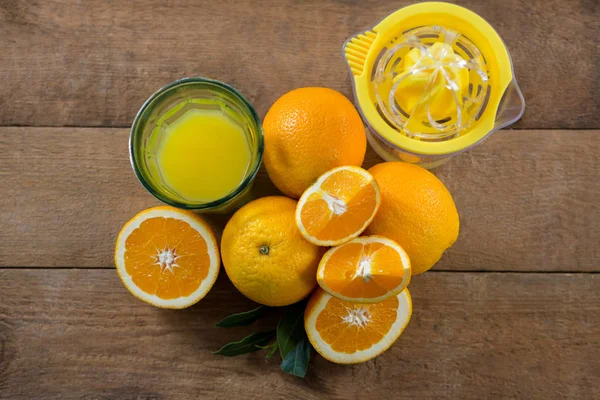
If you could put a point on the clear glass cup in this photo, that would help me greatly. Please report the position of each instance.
(198, 93)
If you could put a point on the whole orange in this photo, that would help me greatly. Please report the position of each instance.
(417, 211)
(307, 132)
(265, 256)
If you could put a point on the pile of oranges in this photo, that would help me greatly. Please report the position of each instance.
(349, 238)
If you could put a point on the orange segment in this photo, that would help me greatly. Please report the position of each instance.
(167, 257)
(349, 333)
(365, 270)
(338, 206)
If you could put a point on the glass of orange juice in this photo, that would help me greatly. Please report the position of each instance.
(197, 144)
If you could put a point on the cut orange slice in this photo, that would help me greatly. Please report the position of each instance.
(367, 269)
(167, 257)
(350, 333)
(338, 206)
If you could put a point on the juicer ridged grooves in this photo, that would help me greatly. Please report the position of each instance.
(356, 51)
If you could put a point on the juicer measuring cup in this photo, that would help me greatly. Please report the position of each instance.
(432, 80)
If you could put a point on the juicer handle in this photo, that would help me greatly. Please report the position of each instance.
(511, 107)
(356, 50)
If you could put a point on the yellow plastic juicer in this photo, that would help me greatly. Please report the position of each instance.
(431, 81)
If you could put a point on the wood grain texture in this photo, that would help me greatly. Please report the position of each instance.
(78, 334)
(528, 200)
(94, 63)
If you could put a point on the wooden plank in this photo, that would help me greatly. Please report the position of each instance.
(74, 334)
(93, 64)
(528, 200)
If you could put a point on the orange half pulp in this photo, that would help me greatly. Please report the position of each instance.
(349, 333)
(167, 257)
(338, 206)
(367, 269)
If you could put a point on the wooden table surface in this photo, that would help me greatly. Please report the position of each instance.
(512, 311)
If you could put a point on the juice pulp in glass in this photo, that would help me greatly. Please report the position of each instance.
(203, 155)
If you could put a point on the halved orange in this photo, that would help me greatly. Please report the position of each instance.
(367, 269)
(350, 333)
(167, 257)
(338, 206)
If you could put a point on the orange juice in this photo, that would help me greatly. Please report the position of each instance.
(203, 155)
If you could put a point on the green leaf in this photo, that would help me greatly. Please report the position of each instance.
(290, 329)
(247, 345)
(272, 351)
(296, 361)
(242, 319)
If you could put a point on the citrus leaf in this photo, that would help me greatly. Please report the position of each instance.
(296, 361)
(272, 351)
(247, 345)
(242, 319)
(290, 329)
